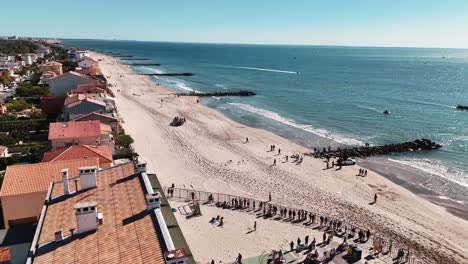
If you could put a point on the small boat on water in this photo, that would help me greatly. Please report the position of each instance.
(462, 107)
(386, 112)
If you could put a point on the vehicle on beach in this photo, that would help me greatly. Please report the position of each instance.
(348, 162)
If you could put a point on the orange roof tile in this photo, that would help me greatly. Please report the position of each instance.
(72, 73)
(96, 114)
(52, 63)
(128, 233)
(72, 129)
(5, 254)
(103, 153)
(32, 178)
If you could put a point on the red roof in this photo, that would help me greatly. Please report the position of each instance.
(32, 178)
(89, 59)
(76, 99)
(52, 63)
(90, 88)
(52, 104)
(72, 129)
(91, 70)
(103, 153)
(5, 254)
(72, 73)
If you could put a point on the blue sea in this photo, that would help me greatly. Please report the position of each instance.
(326, 95)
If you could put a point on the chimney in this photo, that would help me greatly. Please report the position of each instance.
(86, 217)
(58, 236)
(153, 200)
(66, 187)
(88, 177)
(140, 167)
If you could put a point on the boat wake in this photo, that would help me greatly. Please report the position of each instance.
(264, 69)
(308, 128)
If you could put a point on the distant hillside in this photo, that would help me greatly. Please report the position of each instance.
(17, 46)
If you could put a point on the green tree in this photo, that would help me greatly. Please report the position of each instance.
(5, 78)
(124, 140)
(6, 140)
(30, 90)
(17, 105)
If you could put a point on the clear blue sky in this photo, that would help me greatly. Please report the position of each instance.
(417, 23)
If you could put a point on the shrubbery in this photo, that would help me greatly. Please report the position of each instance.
(124, 140)
(30, 90)
(17, 105)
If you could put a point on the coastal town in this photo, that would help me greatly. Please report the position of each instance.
(103, 165)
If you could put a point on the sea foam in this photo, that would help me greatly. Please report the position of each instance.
(319, 132)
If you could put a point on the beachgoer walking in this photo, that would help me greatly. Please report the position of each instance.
(279, 151)
(255, 225)
(291, 245)
(375, 198)
(246, 140)
(274, 162)
(239, 259)
(298, 241)
(212, 261)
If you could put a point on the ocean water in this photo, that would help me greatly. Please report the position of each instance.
(322, 95)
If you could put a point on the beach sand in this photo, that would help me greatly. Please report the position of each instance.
(198, 154)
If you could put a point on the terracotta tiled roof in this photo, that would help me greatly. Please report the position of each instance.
(88, 59)
(86, 88)
(72, 129)
(90, 70)
(2, 149)
(5, 254)
(52, 63)
(32, 178)
(128, 233)
(72, 73)
(103, 153)
(76, 99)
(97, 115)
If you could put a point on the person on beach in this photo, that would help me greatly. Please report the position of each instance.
(279, 151)
(298, 241)
(255, 226)
(360, 172)
(287, 157)
(212, 261)
(239, 259)
(274, 162)
(306, 240)
(246, 140)
(375, 198)
(291, 245)
(269, 196)
(365, 173)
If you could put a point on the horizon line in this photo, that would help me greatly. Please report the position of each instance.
(264, 44)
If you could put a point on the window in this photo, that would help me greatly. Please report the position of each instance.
(85, 209)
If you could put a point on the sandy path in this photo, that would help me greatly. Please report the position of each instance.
(198, 153)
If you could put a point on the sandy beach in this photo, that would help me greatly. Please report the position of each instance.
(209, 153)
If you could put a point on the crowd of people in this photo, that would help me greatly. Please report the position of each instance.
(178, 121)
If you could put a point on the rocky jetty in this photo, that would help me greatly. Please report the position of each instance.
(368, 151)
(462, 107)
(239, 93)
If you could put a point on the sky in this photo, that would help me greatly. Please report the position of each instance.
(395, 23)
